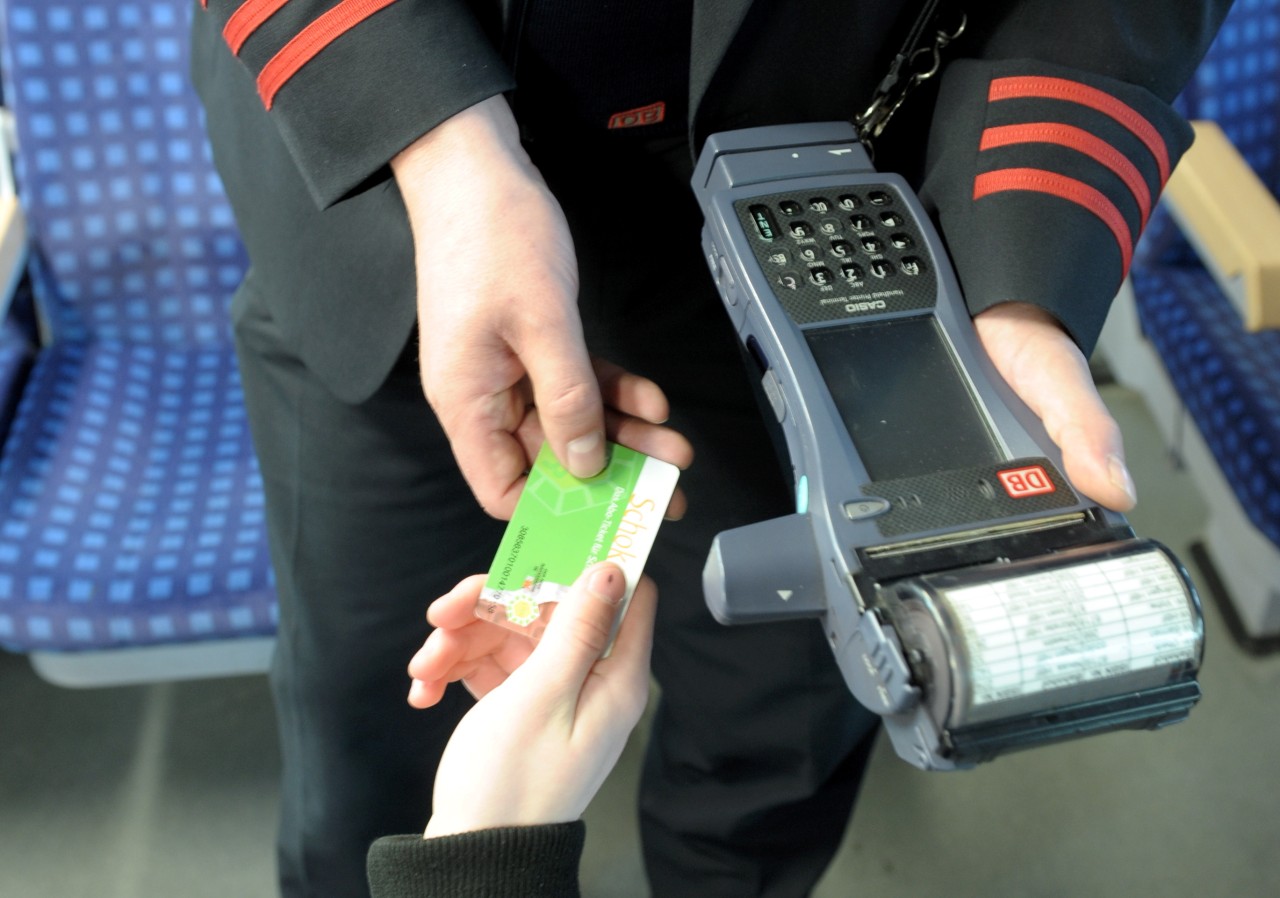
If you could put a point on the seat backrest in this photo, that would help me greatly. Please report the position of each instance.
(1237, 85)
(132, 236)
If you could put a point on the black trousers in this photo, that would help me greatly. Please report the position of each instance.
(757, 747)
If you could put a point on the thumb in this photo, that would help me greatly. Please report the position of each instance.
(567, 395)
(1047, 370)
(1091, 444)
(579, 630)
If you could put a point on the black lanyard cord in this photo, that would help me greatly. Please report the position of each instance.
(913, 64)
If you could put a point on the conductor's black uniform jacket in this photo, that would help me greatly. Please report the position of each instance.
(1043, 144)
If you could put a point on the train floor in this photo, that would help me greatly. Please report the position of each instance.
(170, 789)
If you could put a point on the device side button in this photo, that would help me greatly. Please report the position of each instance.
(727, 281)
(773, 391)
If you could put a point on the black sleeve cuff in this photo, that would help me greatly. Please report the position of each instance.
(530, 861)
(346, 104)
(1042, 179)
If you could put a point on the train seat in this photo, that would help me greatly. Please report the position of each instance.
(132, 533)
(1197, 330)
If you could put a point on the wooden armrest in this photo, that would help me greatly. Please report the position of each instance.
(1233, 221)
(13, 248)
(13, 224)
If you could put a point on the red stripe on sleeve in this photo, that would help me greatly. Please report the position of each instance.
(1073, 91)
(1040, 181)
(246, 19)
(1081, 141)
(307, 43)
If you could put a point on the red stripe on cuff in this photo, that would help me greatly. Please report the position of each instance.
(1081, 141)
(307, 43)
(1073, 91)
(1040, 181)
(246, 20)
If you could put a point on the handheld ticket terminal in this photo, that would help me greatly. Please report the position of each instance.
(971, 597)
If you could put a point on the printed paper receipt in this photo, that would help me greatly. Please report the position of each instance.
(1059, 629)
(563, 525)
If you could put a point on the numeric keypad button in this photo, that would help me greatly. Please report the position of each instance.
(820, 276)
(763, 219)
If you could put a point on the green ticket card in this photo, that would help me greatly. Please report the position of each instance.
(563, 525)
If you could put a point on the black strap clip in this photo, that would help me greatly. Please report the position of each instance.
(913, 65)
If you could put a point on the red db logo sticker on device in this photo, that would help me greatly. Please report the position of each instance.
(1020, 483)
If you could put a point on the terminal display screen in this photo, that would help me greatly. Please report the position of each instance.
(908, 409)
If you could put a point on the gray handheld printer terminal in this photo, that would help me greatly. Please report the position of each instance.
(971, 597)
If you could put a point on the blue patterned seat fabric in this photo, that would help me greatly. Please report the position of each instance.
(130, 501)
(1228, 378)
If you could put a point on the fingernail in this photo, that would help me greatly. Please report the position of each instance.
(586, 456)
(607, 585)
(1120, 477)
(416, 691)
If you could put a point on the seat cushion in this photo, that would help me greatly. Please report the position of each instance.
(1228, 378)
(131, 503)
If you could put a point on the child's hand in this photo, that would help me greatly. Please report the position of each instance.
(552, 717)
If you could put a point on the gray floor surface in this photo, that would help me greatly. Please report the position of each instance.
(169, 790)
